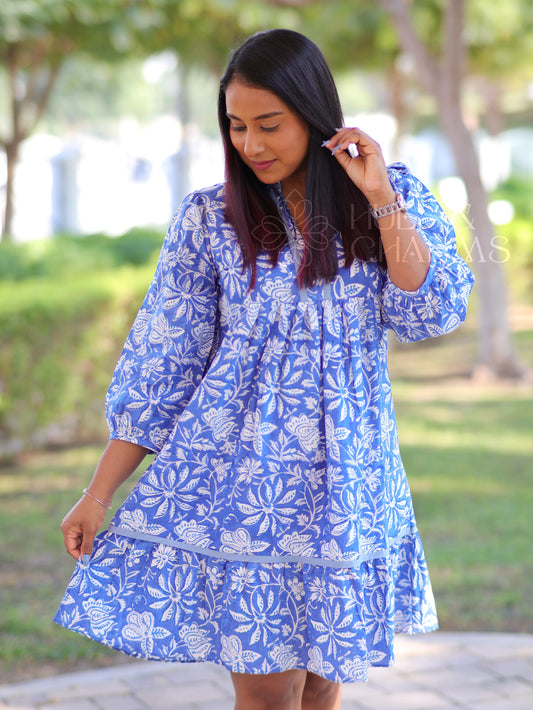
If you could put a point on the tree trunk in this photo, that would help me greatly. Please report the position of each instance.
(183, 106)
(12, 155)
(443, 79)
(496, 352)
(398, 107)
(28, 99)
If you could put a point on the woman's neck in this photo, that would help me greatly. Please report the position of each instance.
(293, 190)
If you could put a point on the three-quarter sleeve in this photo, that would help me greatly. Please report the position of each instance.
(172, 337)
(439, 305)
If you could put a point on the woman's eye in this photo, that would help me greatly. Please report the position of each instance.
(239, 129)
(269, 129)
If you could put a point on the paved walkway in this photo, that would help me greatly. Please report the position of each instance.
(439, 671)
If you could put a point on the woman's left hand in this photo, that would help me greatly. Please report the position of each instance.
(407, 255)
(367, 170)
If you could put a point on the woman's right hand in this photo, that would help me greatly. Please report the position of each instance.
(80, 525)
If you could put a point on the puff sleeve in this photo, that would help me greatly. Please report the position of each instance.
(439, 305)
(171, 340)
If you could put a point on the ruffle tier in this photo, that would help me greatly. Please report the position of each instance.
(159, 602)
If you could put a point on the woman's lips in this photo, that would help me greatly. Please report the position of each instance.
(262, 165)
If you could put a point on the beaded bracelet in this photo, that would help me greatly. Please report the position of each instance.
(86, 492)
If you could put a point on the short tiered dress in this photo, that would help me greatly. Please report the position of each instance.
(274, 528)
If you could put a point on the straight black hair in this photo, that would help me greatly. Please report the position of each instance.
(293, 68)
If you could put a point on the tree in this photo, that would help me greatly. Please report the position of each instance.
(442, 74)
(444, 43)
(36, 37)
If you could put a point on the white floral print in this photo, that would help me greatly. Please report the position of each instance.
(274, 528)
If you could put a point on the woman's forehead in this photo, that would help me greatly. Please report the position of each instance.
(253, 102)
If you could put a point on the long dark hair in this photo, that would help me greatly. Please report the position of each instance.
(293, 68)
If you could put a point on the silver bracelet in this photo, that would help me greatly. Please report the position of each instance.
(86, 492)
(397, 206)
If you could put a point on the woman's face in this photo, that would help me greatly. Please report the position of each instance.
(269, 137)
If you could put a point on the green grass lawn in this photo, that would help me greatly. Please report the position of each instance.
(469, 457)
(34, 566)
(468, 450)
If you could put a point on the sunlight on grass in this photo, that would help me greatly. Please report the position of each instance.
(435, 434)
(49, 471)
(34, 567)
(474, 486)
(468, 449)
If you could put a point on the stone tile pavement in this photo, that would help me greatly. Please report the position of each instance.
(440, 671)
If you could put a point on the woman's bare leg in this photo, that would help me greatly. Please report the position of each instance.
(274, 691)
(321, 694)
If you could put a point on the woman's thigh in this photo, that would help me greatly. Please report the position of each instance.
(274, 691)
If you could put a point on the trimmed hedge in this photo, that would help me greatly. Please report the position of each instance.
(61, 332)
(65, 255)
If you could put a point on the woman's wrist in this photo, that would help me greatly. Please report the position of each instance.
(118, 461)
(95, 498)
(381, 198)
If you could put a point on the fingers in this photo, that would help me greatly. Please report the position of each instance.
(72, 540)
(79, 542)
(361, 158)
(79, 528)
(87, 547)
(353, 140)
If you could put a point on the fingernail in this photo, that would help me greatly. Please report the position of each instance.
(335, 150)
(324, 143)
(86, 559)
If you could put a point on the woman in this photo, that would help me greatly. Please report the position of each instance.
(273, 532)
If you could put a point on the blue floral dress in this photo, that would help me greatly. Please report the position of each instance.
(274, 528)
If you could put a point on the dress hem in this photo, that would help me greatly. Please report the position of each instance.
(360, 677)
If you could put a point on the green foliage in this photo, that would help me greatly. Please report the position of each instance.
(513, 242)
(59, 342)
(70, 23)
(499, 36)
(96, 93)
(65, 308)
(518, 191)
(65, 255)
(517, 236)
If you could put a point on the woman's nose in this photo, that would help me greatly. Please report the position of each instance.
(253, 144)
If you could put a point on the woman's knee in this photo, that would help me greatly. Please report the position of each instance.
(321, 694)
(275, 691)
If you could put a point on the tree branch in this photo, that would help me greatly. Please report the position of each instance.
(454, 52)
(12, 56)
(40, 100)
(426, 64)
(32, 73)
(35, 59)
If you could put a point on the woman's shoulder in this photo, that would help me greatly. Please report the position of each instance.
(203, 206)
(212, 197)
